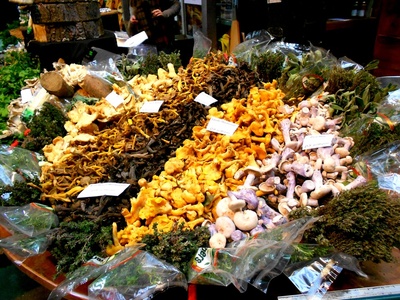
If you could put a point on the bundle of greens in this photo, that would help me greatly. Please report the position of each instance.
(178, 246)
(268, 65)
(353, 93)
(45, 125)
(20, 193)
(84, 239)
(18, 66)
(6, 39)
(362, 222)
(148, 64)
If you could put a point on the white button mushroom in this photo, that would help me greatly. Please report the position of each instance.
(218, 240)
(245, 220)
(225, 226)
(222, 208)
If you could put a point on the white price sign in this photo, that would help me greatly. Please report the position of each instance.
(114, 99)
(317, 141)
(205, 99)
(221, 126)
(26, 96)
(151, 106)
(103, 189)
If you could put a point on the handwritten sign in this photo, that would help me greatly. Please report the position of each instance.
(221, 126)
(317, 141)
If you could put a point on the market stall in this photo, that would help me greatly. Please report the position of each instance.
(241, 173)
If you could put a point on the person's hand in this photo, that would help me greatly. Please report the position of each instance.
(133, 20)
(157, 13)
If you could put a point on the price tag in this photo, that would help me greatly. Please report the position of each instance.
(221, 126)
(205, 99)
(151, 106)
(103, 189)
(135, 40)
(26, 95)
(114, 99)
(317, 141)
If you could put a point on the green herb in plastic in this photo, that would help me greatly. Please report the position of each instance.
(17, 67)
(362, 222)
(77, 242)
(45, 125)
(178, 246)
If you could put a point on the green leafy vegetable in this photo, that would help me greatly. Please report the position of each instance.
(362, 222)
(178, 246)
(77, 242)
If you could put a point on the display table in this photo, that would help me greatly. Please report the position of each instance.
(70, 52)
(41, 268)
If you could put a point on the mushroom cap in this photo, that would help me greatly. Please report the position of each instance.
(222, 208)
(253, 169)
(225, 226)
(284, 209)
(218, 240)
(321, 191)
(236, 204)
(266, 187)
(245, 220)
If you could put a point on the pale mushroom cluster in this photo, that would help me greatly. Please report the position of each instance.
(290, 177)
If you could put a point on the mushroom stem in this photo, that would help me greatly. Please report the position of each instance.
(360, 180)
(291, 185)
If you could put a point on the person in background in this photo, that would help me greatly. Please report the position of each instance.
(156, 18)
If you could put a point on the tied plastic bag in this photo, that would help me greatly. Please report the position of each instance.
(30, 219)
(314, 277)
(382, 165)
(25, 246)
(138, 277)
(265, 255)
(255, 260)
(18, 164)
(91, 270)
(305, 69)
(248, 50)
(202, 44)
(215, 267)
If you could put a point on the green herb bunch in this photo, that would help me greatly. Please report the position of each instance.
(77, 242)
(46, 124)
(152, 62)
(268, 65)
(178, 246)
(18, 66)
(362, 222)
(20, 193)
(354, 92)
(5, 36)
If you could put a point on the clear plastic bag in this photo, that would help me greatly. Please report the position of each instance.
(315, 276)
(250, 48)
(138, 277)
(202, 44)
(215, 267)
(91, 270)
(382, 165)
(255, 260)
(265, 255)
(30, 219)
(25, 246)
(18, 164)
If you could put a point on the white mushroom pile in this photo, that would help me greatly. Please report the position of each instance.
(291, 177)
